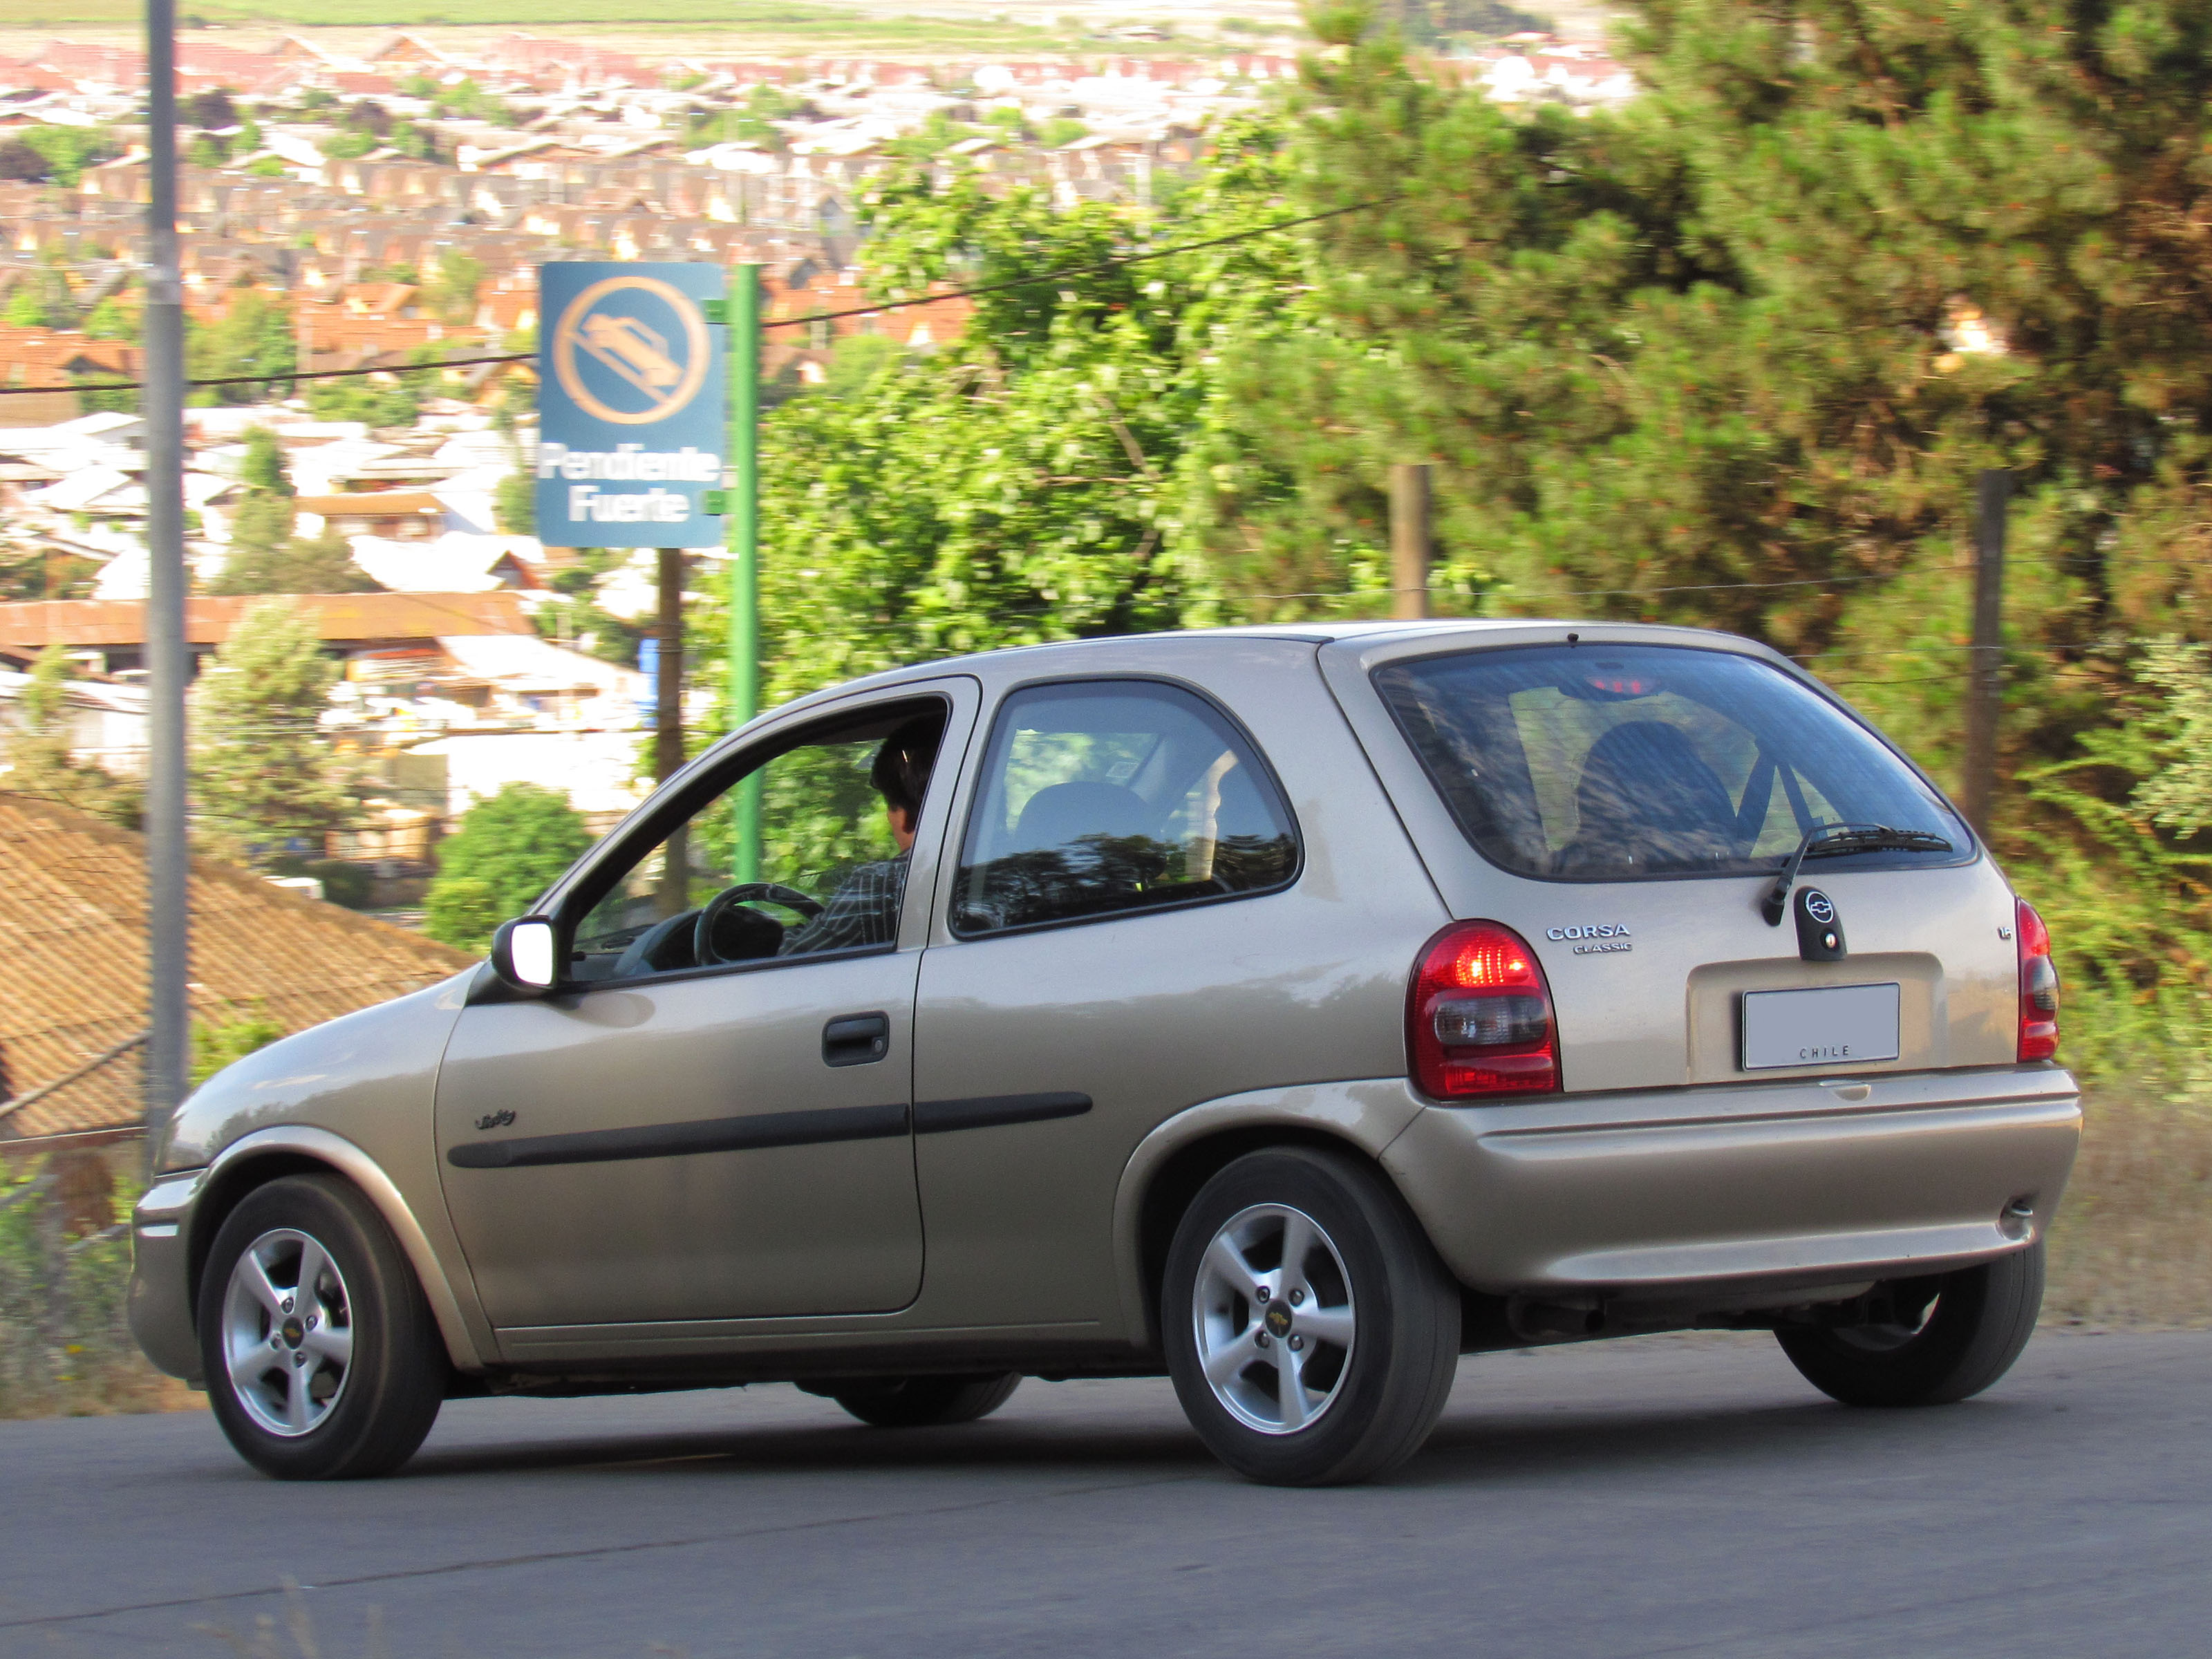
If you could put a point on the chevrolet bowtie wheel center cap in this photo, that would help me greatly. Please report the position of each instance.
(1278, 1319)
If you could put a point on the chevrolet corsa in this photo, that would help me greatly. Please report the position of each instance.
(1287, 1010)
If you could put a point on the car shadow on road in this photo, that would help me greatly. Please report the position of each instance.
(1515, 1444)
(1047, 1446)
(1472, 1445)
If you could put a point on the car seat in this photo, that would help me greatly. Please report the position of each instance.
(1647, 801)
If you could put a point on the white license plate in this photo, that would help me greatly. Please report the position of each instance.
(1840, 1026)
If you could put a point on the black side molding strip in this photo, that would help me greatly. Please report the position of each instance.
(933, 1117)
(716, 1134)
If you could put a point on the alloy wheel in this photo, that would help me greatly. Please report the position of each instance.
(287, 1332)
(1273, 1318)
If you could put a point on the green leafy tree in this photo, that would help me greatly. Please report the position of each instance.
(508, 849)
(67, 151)
(357, 400)
(1735, 353)
(211, 108)
(19, 163)
(111, 319)
(1431, 23)
(1030, 481)
(253, 338)
(322, 563)
(26, 306)
(261, 528)
(217, 1042)
(267, 787)
(453, 294)
(39, 754)
(514, 504)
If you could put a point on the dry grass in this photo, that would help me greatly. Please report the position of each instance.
(2133, 1243)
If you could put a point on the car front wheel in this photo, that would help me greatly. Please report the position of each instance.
(1312, 1332)
(1947, 1338)
(323, 1360)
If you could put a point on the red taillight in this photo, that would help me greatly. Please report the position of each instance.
(2039, 985)
(1479, 1016)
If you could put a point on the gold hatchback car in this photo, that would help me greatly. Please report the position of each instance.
(1290, 1010)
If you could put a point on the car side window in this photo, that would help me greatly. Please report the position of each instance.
(824, 870)
(1106, 796)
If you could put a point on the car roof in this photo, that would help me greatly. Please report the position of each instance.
(1305, 633)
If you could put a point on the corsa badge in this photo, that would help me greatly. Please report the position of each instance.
(1593, 938)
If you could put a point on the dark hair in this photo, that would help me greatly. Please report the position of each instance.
(903, 765)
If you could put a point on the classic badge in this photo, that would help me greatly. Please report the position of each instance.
(1598, 938)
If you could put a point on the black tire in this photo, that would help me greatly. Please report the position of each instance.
(1386, 1387)
(926, 1402)
(1981, 1319)
(380, 1403)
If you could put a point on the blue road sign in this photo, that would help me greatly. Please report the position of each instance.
(630, 422)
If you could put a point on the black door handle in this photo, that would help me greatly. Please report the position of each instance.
(856, 1039)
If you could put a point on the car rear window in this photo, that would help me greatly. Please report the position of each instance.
(1602, 763)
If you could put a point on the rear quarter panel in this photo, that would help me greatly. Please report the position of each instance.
(1151, 1014)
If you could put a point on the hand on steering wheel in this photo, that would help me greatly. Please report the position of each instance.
(772, 892)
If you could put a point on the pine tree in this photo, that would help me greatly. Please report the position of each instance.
(266, 786)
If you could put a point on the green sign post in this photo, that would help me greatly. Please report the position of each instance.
(744, 513)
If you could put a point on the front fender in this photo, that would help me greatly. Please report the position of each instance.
(356, 1095)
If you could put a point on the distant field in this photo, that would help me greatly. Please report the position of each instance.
(794, 25)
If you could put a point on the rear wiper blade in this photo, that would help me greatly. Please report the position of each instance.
(1834, 841)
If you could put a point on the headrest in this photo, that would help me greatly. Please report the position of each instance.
(1062, 813)
(1648, 773)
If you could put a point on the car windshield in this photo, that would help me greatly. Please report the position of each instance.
(1604, 763)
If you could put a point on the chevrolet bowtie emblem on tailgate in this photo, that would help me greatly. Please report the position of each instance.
(1597, 938)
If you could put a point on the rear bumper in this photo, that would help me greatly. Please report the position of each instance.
(1651, 1195)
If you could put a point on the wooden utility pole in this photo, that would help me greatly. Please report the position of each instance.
(1985, 668)
(668, 669)
(1409, 540)
(675, 890)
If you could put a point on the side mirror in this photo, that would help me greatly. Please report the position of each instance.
(525, 954)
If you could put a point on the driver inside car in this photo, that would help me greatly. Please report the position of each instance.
(865, 909)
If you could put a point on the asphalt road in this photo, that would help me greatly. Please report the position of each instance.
(1663, 1496)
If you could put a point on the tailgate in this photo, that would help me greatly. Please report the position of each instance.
(1625, 801)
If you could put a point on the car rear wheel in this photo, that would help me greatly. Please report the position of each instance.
(322, 1358)
(1954, 1336)
(1312, 1332)
(926, 1402)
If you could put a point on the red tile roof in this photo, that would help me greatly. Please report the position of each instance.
(342, 618)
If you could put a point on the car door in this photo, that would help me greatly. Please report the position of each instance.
(668, 1138)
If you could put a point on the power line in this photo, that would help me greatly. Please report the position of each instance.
(1631, 592)
(272, 377)
(1079, 271)
(1028, 281)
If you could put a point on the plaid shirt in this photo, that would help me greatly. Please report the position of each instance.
(864, 910)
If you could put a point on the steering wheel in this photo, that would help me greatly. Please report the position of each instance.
(711, 914)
